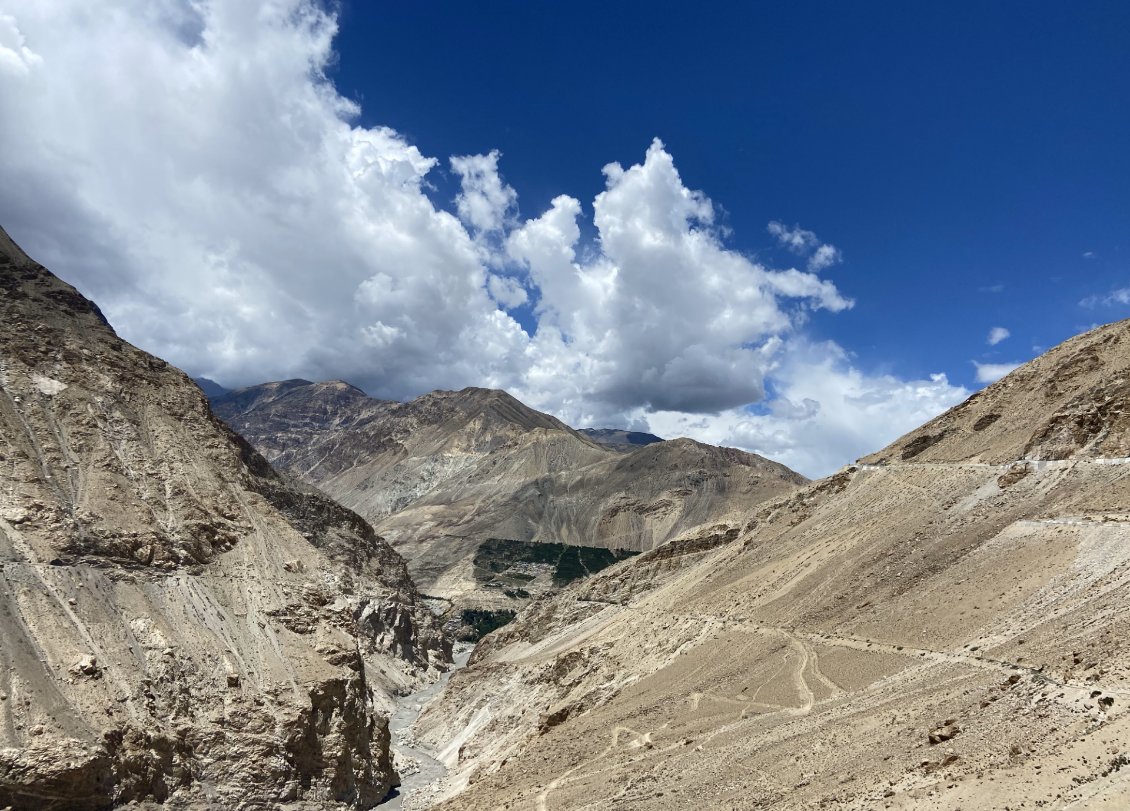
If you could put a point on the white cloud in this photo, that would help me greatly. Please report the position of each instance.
(1120, 297)
(824, 257)
(996, 335)
(826, 412)
(205, 182)
(992, 372)
(664, 315)
(485, 203)
(507, 291)
(796, 239)
(806, 243)
(1088, 254)
(16, 59)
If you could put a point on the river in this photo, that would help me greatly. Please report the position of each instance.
(420, 772)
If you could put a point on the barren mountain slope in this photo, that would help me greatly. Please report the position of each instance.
(937, 634)
(1070, 402)
(634, 501)
(441, 474)
(378, 457)
(177, 623)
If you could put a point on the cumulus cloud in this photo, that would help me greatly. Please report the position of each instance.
(486, 204)
(806, 243)
(826, 412)
(824, 257)
(507, 291)
(992, 372)
(996, 335)
(796, 239)
(663, 315)
(228, 212)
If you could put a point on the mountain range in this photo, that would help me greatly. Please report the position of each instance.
(442, 474)
(197, 615)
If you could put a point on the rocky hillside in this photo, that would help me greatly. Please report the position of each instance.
(644, 498)
(1069, 403)
(441, 474)
(941, 626)
(178, 624)
(378, 457)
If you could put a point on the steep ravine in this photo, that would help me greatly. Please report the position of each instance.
(421, 774)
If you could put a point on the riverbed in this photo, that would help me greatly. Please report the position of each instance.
(420, 772)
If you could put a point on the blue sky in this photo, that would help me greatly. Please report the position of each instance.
(964, 157)
(577, 202)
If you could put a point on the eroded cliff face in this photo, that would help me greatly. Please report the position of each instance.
(940, 626)
(178, 624)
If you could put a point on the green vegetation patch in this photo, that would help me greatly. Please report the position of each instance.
(497, 555)
(477, 624)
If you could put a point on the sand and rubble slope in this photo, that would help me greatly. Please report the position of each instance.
(944, 628)
(178, 624)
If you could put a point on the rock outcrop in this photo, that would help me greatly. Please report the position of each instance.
(943, 625)
(178, 623)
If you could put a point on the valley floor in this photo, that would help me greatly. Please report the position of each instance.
(421, 775)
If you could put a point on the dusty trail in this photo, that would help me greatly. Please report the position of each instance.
(798, 661)
(935, 656)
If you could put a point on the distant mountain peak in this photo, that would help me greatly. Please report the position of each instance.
(210, 387)
(342, 384)
(620, 439)
(480, 391)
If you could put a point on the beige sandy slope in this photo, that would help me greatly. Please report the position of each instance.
(177, 623)
(948, 631)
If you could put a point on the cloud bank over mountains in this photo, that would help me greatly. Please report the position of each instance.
(204, 181)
